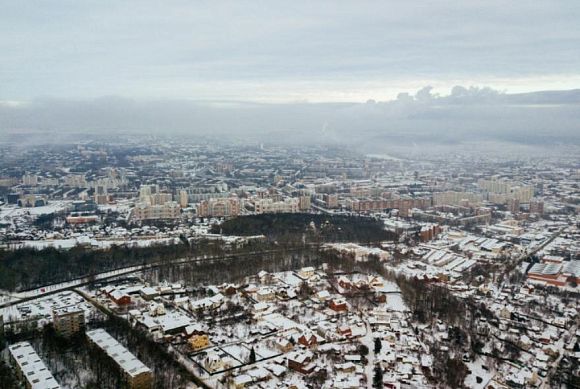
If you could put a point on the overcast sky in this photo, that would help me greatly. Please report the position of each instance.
(317, 71)
(284, 51)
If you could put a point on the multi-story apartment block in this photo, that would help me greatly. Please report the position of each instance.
(30, 180)
(137, 375)
(304, 203)
(146, 211)
(101, 194)
(456, 198)
(289, 205)
(331, 200)
(68, 321)
(30, 367)
(537, 207)
(219, 207)
(500, 191)
(183, 199)
(404, 205)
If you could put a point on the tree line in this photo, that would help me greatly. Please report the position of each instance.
(306, 226)
(30, 268)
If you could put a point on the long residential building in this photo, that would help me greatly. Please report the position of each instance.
(145, 211)
(289, 205)
(30, 367)
(219, 207)
(500, 190)
(137, 375)
(456, 198)
(404, 205)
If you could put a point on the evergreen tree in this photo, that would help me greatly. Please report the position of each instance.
(378, 377)
(378, 345)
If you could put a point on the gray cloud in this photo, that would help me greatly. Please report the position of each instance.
(282, 51)
(246, 69)
(465, 114)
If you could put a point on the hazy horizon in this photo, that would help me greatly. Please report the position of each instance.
(309, 72)
(465, 114)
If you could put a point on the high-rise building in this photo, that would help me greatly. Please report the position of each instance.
(147, 190)
(183, 199)
(513, 205)
(101, 194)
(304, 203)
(151, 195)
(159, 198)
(500, 190)
(30, 180)
(537, 207)
(499, 186)
(405, 206)
(523, 193)
(331, 200)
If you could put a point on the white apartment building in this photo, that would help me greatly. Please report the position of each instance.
(289, 205)
(31, 368)
(146, 211)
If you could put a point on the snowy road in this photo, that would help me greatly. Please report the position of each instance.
(368, 340)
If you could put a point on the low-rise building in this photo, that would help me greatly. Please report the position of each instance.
(301, 361)
(198, 342)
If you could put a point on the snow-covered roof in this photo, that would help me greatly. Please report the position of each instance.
(32, 367)
(123, 357)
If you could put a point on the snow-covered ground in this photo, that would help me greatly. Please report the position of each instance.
(41, 308)
(94, 243)
(479, 376)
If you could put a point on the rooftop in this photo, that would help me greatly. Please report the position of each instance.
(32, 367)
(123, 357)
